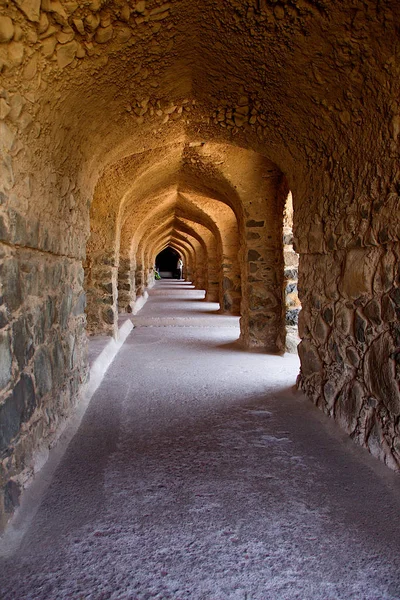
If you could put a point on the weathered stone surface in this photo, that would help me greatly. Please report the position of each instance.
(380, 373)
(348, 406)
(109, 316)
(359, 273)
(373, 312)
(16, 409)
(22, 342)
(80, 304)
(5, 359)
(6, 29)
(360, 326)
(310, 360)
(66, 305)
(104, 34)
(253, 255)
(66, 54)
(24, 396)
(92, 22)
(31, 8)
(43, 372)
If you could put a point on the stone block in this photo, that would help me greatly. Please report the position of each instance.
(24, 395)
(359, 271)
(360, 327)
(5, 359)
(80, 305)
(49, 311)
(65, 308)
(344, 319)
(31, 8)
(43, 372)
(10, 420)
(253, 255)
(58, 365)
(36, 321)
(348, 406)
(309, 358)
(388, 309)
(373, 312)
(6, 29)
(108, 316)
(380, 373)
(3, 319)
(10, 278)
(22, 342)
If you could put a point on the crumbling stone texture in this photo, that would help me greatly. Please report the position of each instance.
(350, 342)
(42, 359)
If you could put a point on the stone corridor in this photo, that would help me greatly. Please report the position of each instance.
(198, 472)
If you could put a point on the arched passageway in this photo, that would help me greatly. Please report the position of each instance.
(123, 133)
(166, 262)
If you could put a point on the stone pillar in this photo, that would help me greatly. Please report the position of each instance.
(139, 281)
(101, 275)
(124, 286)
(262, 322)
(230, 289)
(213, 281)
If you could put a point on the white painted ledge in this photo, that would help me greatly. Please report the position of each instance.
(140, 302)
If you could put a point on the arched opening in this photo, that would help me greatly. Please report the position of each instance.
(167, 263)
(291, 264)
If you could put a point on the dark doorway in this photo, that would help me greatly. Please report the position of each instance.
(166, 263)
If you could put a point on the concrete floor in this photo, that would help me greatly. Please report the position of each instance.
(198, 473)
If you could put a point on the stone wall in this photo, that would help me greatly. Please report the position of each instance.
(349, 285)
(42, 360)
(350, 353)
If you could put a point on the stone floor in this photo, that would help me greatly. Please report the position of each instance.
(198, 473)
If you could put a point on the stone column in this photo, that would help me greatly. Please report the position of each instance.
(262, 322)
(213, 281)
(101, 275)
(124, 286)
(139, 280)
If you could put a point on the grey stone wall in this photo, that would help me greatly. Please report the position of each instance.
(42, 359)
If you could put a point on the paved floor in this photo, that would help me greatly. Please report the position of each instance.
(198, 473)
